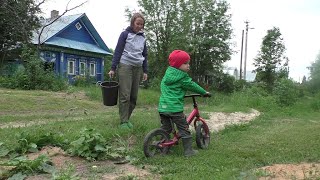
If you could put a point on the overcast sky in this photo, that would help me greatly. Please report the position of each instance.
(298, 21)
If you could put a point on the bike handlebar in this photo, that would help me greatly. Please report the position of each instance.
(198, 95)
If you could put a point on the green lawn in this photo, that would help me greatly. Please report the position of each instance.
(279, 135)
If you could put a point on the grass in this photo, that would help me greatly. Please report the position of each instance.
(279, 135)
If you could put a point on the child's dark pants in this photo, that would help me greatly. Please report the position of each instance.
(179, 119)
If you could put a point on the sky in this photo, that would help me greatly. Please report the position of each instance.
(298, 21)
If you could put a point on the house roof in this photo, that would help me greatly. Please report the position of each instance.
(49, 35)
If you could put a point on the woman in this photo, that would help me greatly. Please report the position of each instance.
(130, 57)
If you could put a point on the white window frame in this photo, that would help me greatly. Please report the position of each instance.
(72, 63)
(82, 71)
(94, 69)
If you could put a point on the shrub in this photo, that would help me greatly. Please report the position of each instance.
(33, 75)
(286, 92)
(224, 83)
(155, 83)
(83, 81)
(315, 103)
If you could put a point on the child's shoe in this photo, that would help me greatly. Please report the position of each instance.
(187, 146)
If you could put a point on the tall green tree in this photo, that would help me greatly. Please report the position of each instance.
(271, 63)
(200, 27)
(314, 81)
(209, 38)
(18, 19)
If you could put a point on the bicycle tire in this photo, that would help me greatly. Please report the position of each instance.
(151, 141)
(202, 137)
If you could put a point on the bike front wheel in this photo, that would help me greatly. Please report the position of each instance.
(152, 143)
(202, 136)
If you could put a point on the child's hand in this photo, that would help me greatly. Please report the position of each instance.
(207, 94)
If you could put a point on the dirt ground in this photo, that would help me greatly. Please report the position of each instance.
(83, 168)
(217, 122)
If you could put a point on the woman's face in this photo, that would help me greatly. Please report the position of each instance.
(138, 25)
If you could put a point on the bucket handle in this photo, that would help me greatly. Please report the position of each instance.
(110, 79)
(98, 83)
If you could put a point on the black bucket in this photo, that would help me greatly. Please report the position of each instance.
(110, 92)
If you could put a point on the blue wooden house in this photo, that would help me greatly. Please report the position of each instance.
(72, 47)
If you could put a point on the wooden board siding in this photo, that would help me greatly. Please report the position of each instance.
(81, 35)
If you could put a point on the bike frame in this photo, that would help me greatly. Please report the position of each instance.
(195, 115)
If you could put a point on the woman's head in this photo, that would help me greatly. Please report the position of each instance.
(137, 22)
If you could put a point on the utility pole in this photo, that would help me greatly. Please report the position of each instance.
(245, 51)
(241, 55)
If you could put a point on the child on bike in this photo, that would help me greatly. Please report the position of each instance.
(174, 85)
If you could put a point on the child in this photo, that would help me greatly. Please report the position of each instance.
(174, 85)
(130, 57)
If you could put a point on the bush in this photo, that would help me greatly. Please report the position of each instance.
(33, 75)
(240, 84)
(286, 92)
(225, 83)
(83, 81)
(155, 83)
(315, 103)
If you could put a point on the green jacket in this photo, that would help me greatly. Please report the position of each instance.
(174, 86)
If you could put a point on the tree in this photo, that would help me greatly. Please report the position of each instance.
(200, 27)
(271, 63)
(209, 38)
(314, 82)
(18, 19)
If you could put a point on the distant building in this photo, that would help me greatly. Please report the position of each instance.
(233, 71)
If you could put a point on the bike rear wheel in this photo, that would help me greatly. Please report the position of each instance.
(202, 136)
(151, 144)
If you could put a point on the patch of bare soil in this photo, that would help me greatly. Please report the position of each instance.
(219, 120)
(291, 171)
(89, 170)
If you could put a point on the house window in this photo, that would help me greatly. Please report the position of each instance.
(92, 69)
(78, 26)
(47, 55)
(82, 70)
(71, 66)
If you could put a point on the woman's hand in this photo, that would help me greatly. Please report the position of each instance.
(111, 73)
(145, 76)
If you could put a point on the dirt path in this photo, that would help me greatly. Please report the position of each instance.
(219, 120)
